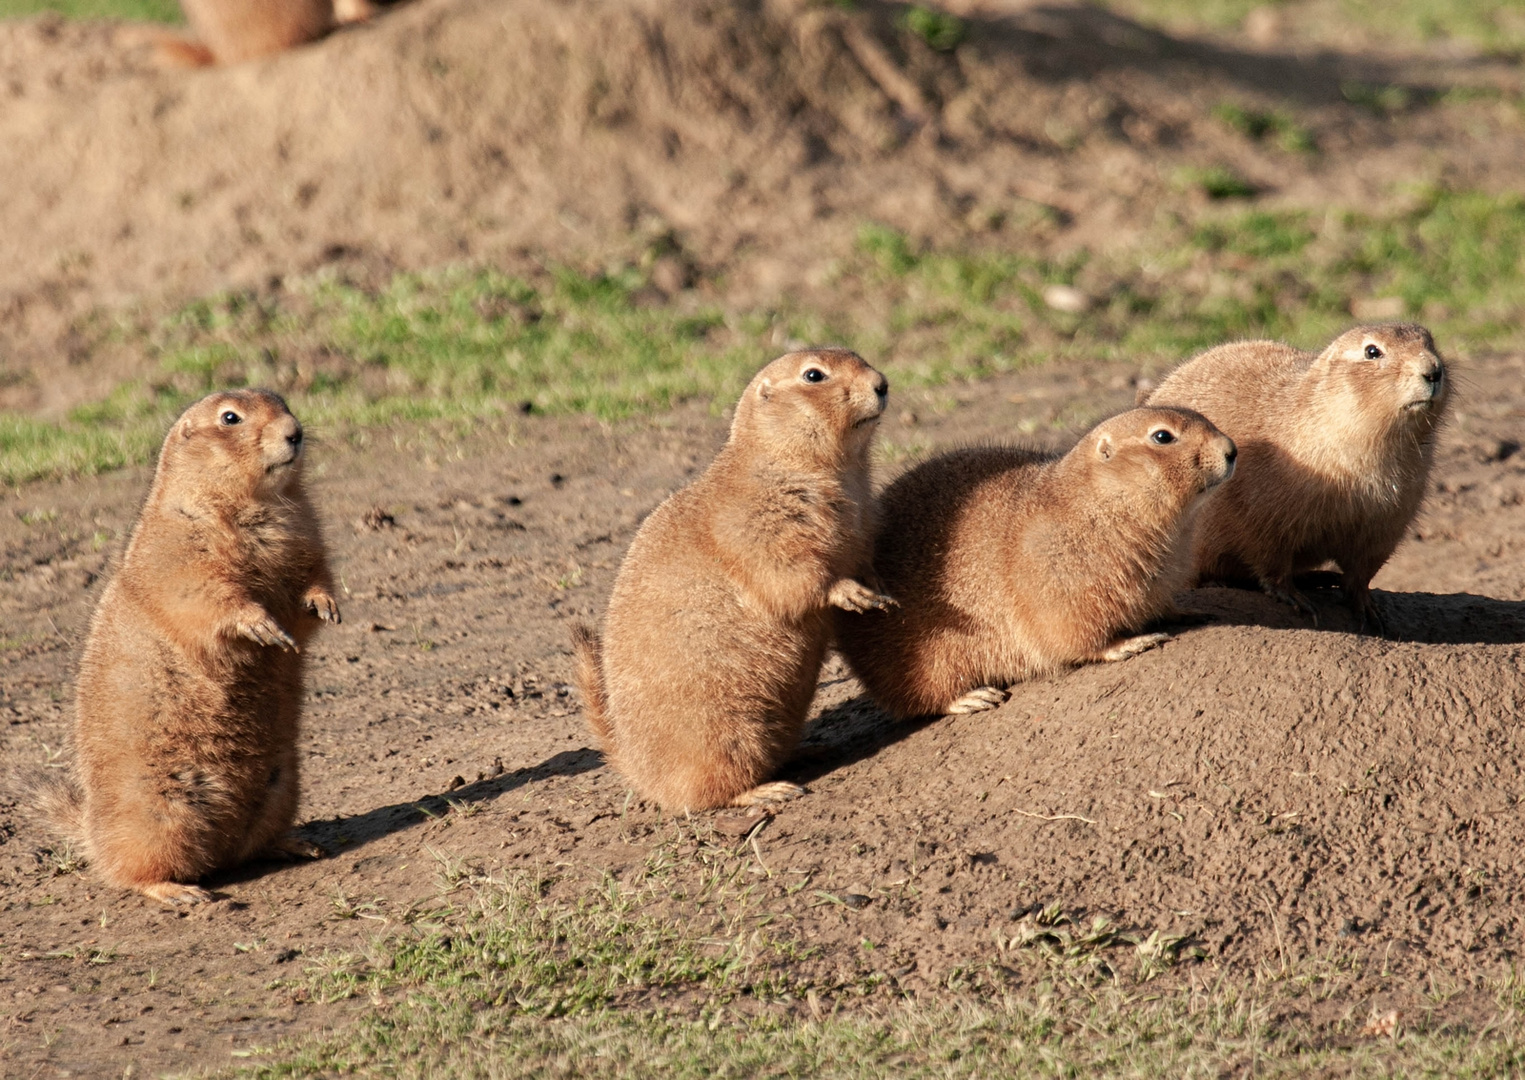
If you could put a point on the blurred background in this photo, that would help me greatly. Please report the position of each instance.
(465, 210)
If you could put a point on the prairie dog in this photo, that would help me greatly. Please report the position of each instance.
(190, 687)
(718, 621)
(1335, 454)
(1008, 563)
(233, 31)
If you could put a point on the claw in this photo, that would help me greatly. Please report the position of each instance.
(1123, 648)
(768, 794)
(1366, 609)
(293, 847)
(850, 595)
(1288, 594)
(980, 700)
(266, 632)
(323, 606)
(176, 894)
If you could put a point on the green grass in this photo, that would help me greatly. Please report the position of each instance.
(1036, 1034)
(937, 28)
(512, 947)
(520, 976)
(1495, 25)
(1457, 260)
(1219, 182)
(458, 346)
(141, 10)
(468, 346)
(1275, 125)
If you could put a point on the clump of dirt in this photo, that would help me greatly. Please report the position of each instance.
(1272, 794)
(749, 137)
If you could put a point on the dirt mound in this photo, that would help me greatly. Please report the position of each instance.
(1279, 797)
(756, 135)
(1252, 787)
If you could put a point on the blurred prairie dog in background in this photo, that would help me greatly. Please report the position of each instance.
(233, 31)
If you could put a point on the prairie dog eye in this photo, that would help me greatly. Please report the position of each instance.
(1373, 352)
(229, 417)
(1162, 436)
(813, 374)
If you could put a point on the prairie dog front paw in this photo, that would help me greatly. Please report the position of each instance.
(259, 626)
(850, 595)
(321, 604)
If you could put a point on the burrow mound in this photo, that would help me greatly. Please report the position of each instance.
(1261, 788)
(757, 135)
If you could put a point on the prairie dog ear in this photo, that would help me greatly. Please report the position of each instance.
(764, 389)
(1104, 447)
(186, 427)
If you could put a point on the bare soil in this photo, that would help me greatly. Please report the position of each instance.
(755, 136)
(1280, 793)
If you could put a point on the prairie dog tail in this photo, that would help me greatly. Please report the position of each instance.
(58, 804)
(590, 683)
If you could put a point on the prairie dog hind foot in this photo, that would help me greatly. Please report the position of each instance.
(1292, 596)
(176, 894)
(980, 700)
(1365, 607)
(1123, 648)
(779, 791)
(292, 848)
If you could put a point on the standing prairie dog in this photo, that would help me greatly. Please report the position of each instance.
(1008, 563)
(1335, 455)
(718, 621)
(190, 686)
(233, 31)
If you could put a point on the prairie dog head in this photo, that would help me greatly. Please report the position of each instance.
(818, 406)
(232, 446)
(1165, 455)
(1392, 375)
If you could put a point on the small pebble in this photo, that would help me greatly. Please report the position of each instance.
(1066, 298)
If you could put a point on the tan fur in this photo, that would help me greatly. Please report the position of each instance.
(1335, 453)
(1008, 563)
(590, 680)
(190, 686)
(717, 624)
(233, 31)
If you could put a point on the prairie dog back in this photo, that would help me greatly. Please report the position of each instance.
(1007, 563)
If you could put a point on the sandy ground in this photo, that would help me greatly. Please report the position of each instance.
(1279, 793)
